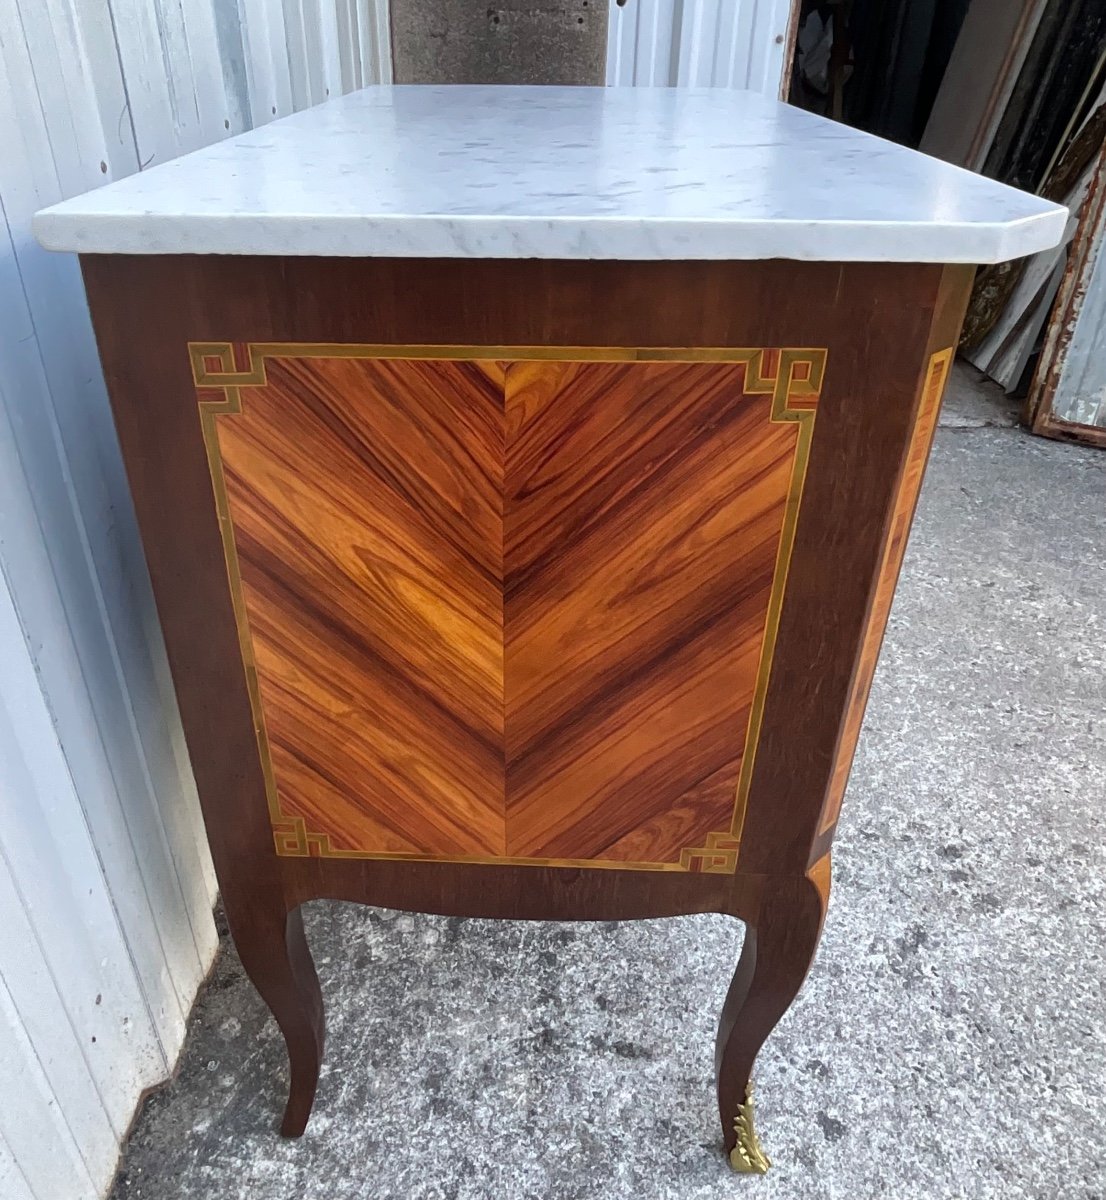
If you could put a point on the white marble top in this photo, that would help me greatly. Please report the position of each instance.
(543, 172)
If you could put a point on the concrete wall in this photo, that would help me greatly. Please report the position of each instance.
(502, 41)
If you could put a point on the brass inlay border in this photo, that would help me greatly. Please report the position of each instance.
(792, 377)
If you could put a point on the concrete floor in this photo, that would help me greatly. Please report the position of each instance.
(951, 1041)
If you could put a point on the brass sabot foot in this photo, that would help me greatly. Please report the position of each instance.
(747, 1158)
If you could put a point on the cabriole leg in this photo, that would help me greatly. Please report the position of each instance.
(780, 941)
(278, 961)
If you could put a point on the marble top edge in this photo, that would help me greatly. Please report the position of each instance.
(529, 172)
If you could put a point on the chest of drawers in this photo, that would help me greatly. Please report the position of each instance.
(529, 584)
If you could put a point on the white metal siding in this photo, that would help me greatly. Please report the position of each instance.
(699, 43)
(105, 881)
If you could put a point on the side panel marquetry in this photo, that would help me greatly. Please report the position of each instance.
(893, 551)
(507, 604)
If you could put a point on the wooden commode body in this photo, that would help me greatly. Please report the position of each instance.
(524, 521)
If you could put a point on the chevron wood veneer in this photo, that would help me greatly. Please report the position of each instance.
(507, 605)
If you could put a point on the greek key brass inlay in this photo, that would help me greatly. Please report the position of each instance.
(230, 381)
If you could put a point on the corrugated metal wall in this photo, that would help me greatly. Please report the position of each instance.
(105, 883)
(700, 43)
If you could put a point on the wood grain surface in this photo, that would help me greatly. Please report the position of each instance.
(505, 608)
(881, 322)
(898, 530)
